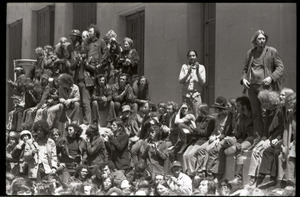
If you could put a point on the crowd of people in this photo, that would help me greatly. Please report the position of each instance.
(83, 123)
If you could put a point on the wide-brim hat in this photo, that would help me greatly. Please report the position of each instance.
(75, 32)
(126, 108)
(220, 102)
(176, 163)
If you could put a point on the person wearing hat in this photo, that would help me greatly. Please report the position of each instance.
(12, 141)
(18, 152)
(223, 128)
(178, 181)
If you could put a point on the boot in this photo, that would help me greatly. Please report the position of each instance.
(260, 179)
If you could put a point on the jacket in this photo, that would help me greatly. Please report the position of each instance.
(96, 152)
(33, 160)
(119, 149)
(273, 66)
(63, 149)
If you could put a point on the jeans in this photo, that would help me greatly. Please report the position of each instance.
(56, 111)
(256, 108)
(85, 97)
(103, 106)
(256, 157)
(189, 157)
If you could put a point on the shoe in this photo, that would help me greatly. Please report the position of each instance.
(108, 125)
(252, 181)
(236, 181)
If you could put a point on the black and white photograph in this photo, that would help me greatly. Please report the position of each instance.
(151, 98)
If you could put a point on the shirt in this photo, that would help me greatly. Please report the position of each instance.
(192, 83)
(185, 184)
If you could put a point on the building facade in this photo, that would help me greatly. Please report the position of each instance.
(163, 33)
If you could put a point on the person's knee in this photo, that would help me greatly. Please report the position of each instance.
(94, 103)
(76, 105)
(111, 104)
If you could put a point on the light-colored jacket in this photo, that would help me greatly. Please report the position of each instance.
(192, 83)
(33, 160)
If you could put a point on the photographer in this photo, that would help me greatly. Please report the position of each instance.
(129, 59)
(192, 77)
(109, 61)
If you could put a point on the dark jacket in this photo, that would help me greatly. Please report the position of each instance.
(102, 91)
(118, 146)
(96, 152)
(273, 66)
(131, 68)
(204, 127)
(274, 124)
(245, 128)
(140, 94)
(62, 148)
(118, 97)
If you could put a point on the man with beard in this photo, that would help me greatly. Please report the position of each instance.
(102, 100)
(122, 93)
(263, 69)
(62, 51)
(82, 77)
(71, 150)
(95, 50)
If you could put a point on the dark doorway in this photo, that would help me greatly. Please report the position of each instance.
(84, 14)
(15, 46)
(135, 29)
(45, 26)
(209, 40)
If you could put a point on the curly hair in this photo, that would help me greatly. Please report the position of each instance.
(78, 130)
(80, 167)
(173, 104)
(92, 130)
(96, 30)
(244, 100)
(99, 76)
(66, 79)
(269, 96)
(41, 125)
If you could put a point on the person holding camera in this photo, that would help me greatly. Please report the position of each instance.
(129, 59)
(109, 61)
(192, 77)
